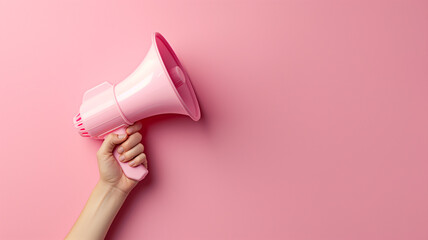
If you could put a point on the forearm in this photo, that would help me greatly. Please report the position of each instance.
(99, 212)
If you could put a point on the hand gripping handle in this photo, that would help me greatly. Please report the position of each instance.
(136, 173)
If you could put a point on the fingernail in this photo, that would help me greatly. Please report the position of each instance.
(121, 136)
(120, 149)
(129, 130)
(121, 158)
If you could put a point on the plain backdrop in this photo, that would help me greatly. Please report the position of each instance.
(314, 118)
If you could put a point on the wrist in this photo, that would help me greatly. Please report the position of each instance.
(112, 189)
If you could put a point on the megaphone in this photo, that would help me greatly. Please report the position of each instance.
(159, 85)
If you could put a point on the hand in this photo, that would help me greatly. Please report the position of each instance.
(130, 149)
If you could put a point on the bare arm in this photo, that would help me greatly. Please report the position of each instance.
(112, 188)
(98, 214)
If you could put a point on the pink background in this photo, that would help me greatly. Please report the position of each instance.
(314, 118)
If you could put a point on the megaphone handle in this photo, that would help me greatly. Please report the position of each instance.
(136, 173)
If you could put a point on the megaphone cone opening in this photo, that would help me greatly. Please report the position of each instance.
(178, 77)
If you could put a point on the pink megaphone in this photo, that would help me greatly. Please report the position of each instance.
(159, 85)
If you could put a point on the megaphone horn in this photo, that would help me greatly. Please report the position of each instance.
(159, 85)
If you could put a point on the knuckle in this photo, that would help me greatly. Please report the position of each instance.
(138, 135)
(138, 159)
(141, 147)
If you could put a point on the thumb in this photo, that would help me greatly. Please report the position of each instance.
(110, 143)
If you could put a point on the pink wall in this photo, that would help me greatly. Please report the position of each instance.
(314, 118)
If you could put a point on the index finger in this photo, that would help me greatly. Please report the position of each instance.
(110, 143)
(134, 128)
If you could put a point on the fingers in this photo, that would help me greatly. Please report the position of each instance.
(132, 153)
(134, 128)
(139, 159)
(135, 155)
(130, 148)
(110, 143)
(131, 142)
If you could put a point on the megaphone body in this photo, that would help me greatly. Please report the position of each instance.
(159, 85)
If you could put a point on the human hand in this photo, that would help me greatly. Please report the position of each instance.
(130, 149)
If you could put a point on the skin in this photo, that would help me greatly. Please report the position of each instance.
(113, 186)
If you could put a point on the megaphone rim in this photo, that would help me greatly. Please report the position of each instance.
(193, 115)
